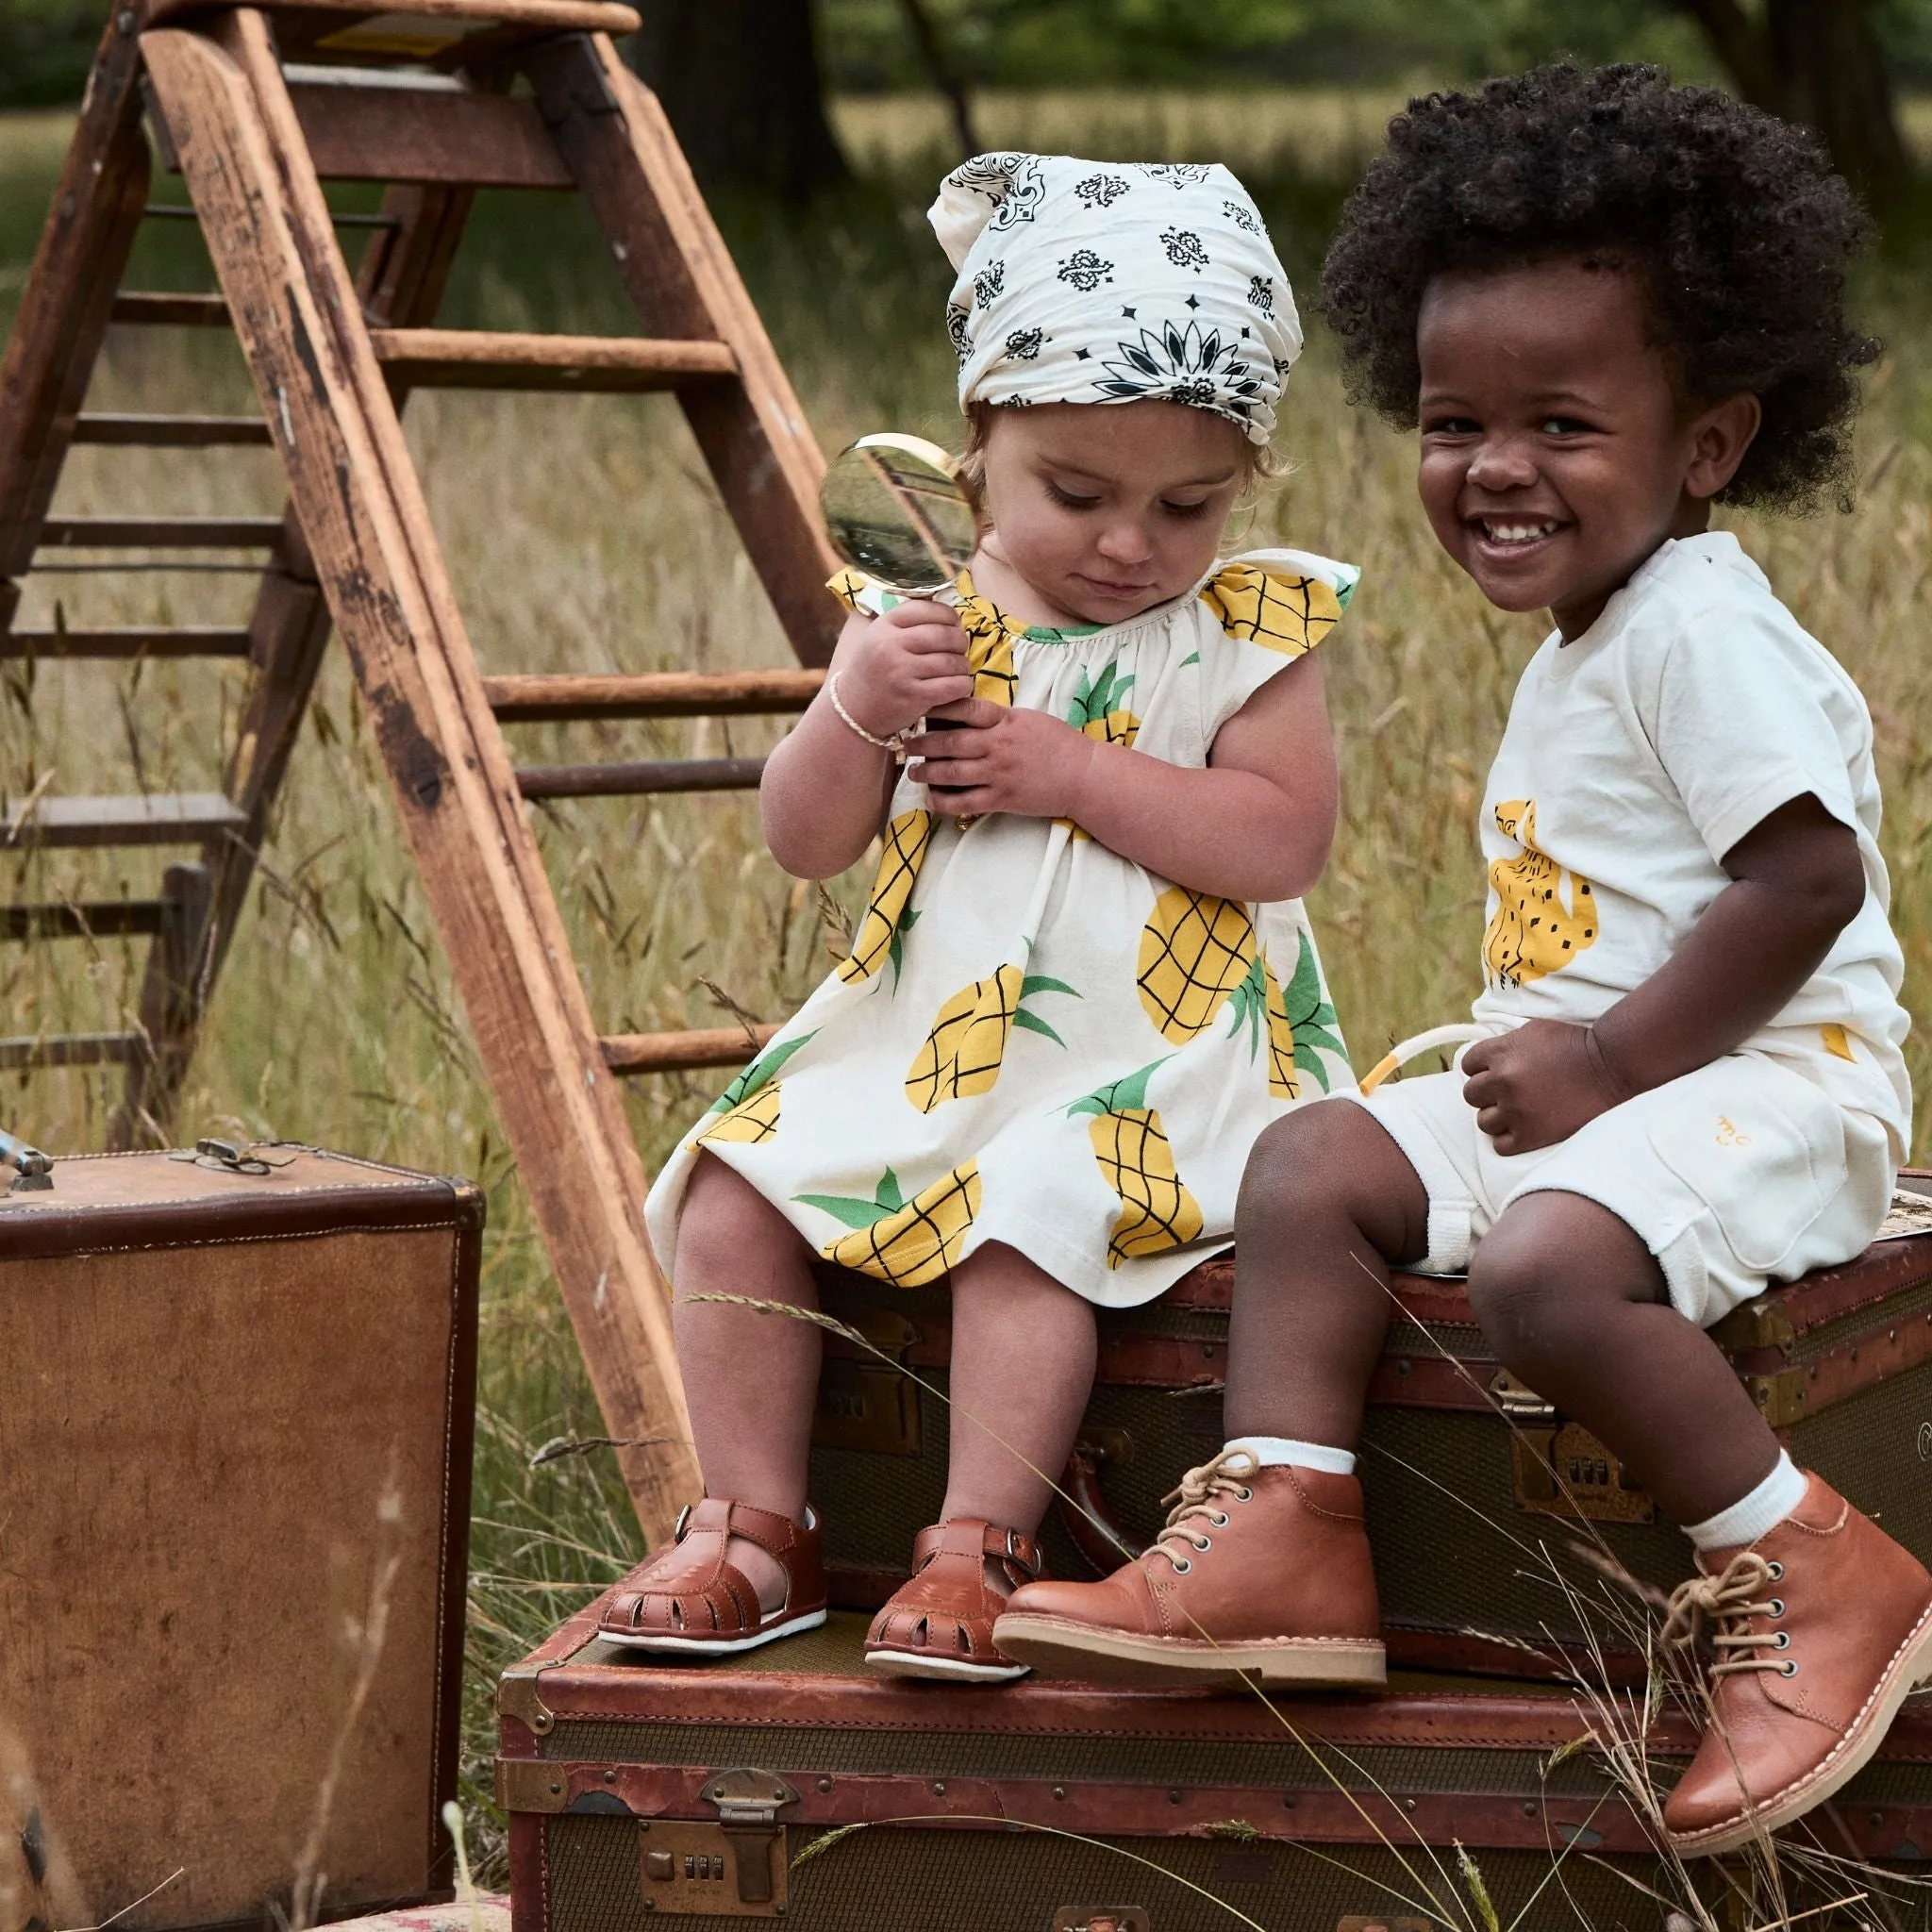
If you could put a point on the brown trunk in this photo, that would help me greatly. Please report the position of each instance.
(1816, 61)
(740, 81)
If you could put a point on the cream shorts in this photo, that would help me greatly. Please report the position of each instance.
(1741, 1174)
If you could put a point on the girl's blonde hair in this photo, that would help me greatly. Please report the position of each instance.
(1259, 462)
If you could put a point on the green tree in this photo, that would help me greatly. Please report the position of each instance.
(45, 49)
(741, 82)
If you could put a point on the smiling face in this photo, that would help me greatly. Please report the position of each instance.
(1555, 452)
(1097, 511)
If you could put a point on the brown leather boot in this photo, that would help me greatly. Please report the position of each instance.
(1259, 1572)
(690, 1601)
(1823, 1625)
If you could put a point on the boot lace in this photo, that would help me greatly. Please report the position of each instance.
(1731, 1600)
(1195, 1512)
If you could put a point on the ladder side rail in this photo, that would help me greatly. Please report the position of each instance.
(755, 440)
(69, 289)
(368, 529)
(402, 276)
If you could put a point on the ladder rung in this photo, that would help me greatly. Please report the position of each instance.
(672, 1053)
(173, 432)
(159, 819)
(144, 309)
(600, 365)
(541, 16)
(160, 533)
(557, 698)
(183, 211)
(424, 134)
(186, 641)
(69, 1050)
(111, 919)
(624, 780)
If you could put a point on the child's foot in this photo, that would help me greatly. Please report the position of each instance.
(1823, 1625)
(939, 1623)
(693, 1600)
(1263, 1571)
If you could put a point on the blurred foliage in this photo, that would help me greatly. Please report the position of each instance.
(46, 45)
(45, 48)
(1067, 42)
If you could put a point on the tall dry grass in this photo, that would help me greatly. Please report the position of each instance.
(582, 534)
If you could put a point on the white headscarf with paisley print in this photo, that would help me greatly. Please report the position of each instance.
(1114, 282)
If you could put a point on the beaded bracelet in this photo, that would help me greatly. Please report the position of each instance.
(895, 744)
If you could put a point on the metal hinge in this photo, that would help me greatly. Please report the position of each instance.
(1518, 1399)
(736, 1868)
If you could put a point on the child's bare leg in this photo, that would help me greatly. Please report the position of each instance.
(1575, 1304)
(750, 1378)
(1023, 1365)
(1327, 1203)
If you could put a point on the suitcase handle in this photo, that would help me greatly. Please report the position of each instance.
(1085, 1513)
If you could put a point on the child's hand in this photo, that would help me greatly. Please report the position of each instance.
(1005, 759)
(1536, 1085)
(904, 664)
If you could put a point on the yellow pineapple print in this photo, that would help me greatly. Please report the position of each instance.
(1196, 950)
(1136, 1161)
(963, 1053)
(1097, 713)
(1289, 614)
(889, 915)
(989, 634)
(1298, 1019)
(748, 1110)
(905, 1242)
(1532, 931)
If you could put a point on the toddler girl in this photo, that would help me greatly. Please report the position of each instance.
(1608, 303)
(1084, 983)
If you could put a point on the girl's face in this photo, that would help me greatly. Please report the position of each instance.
(1556, 456)
(1107, 509)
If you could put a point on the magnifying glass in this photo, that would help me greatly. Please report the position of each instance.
(895, 508)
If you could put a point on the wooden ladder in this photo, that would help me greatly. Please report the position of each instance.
(255, 106)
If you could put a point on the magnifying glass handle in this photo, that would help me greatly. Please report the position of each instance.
(945, 724)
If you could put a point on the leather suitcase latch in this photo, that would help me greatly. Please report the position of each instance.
(736, 1868)
(866, 1402)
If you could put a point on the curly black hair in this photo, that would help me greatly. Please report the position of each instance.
(1734, 219)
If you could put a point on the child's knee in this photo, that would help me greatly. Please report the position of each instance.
(1542, 1279)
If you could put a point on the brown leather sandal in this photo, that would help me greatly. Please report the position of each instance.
(690, 1600)
(940, 1622)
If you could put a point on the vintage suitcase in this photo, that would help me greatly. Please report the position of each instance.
(1499, 1530)
(236, 1405)
(644, 1797)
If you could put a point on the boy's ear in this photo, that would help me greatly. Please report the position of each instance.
(1719, 439)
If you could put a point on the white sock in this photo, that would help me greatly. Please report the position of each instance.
(1750, 1516)
(1273, 1450)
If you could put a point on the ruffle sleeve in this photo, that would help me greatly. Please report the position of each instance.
(1272, 607)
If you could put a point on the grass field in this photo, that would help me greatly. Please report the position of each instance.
(581, 536)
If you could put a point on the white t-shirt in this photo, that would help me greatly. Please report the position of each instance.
(1635, 757)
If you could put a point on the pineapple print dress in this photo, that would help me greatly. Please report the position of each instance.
(1035, 1041)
